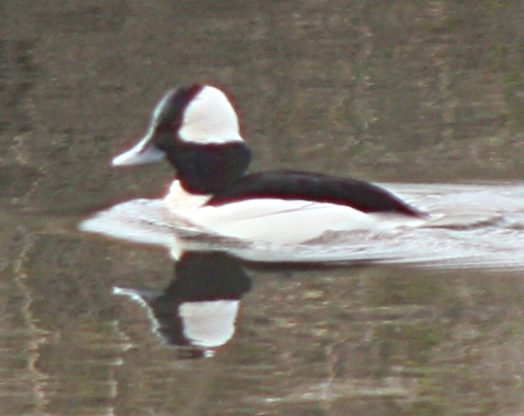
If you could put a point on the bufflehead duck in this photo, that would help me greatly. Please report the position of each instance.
(197, 129)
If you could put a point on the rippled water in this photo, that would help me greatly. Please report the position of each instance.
(426, 96)
(475, 226)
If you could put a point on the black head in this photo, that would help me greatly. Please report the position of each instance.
(197, 130)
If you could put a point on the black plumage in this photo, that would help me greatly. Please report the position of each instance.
(316, 187)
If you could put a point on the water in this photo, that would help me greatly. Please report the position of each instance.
(423, 95)
(475, 226)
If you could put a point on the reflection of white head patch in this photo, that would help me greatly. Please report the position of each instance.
(209, 323)
(210, 118)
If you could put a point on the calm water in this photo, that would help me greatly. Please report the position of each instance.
(411, 92)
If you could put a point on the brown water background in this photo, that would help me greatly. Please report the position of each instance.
(414, 91)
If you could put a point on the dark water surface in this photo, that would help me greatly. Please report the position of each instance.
(429, 91)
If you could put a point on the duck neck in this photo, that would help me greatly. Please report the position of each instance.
(208, 169)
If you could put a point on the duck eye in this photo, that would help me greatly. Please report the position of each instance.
(175, 125)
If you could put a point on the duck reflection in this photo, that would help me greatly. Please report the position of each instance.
(199, 308)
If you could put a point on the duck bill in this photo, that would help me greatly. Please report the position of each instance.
(143, 152)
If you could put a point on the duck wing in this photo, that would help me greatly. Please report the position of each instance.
(293, 185)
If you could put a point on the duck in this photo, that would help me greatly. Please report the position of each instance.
(196, 129)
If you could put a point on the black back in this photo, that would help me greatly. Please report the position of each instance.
(285, 184)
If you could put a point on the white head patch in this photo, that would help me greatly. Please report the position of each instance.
(210, 118)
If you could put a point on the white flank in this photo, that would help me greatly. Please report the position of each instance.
(286, 221)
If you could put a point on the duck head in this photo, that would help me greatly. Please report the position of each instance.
(197, 130)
